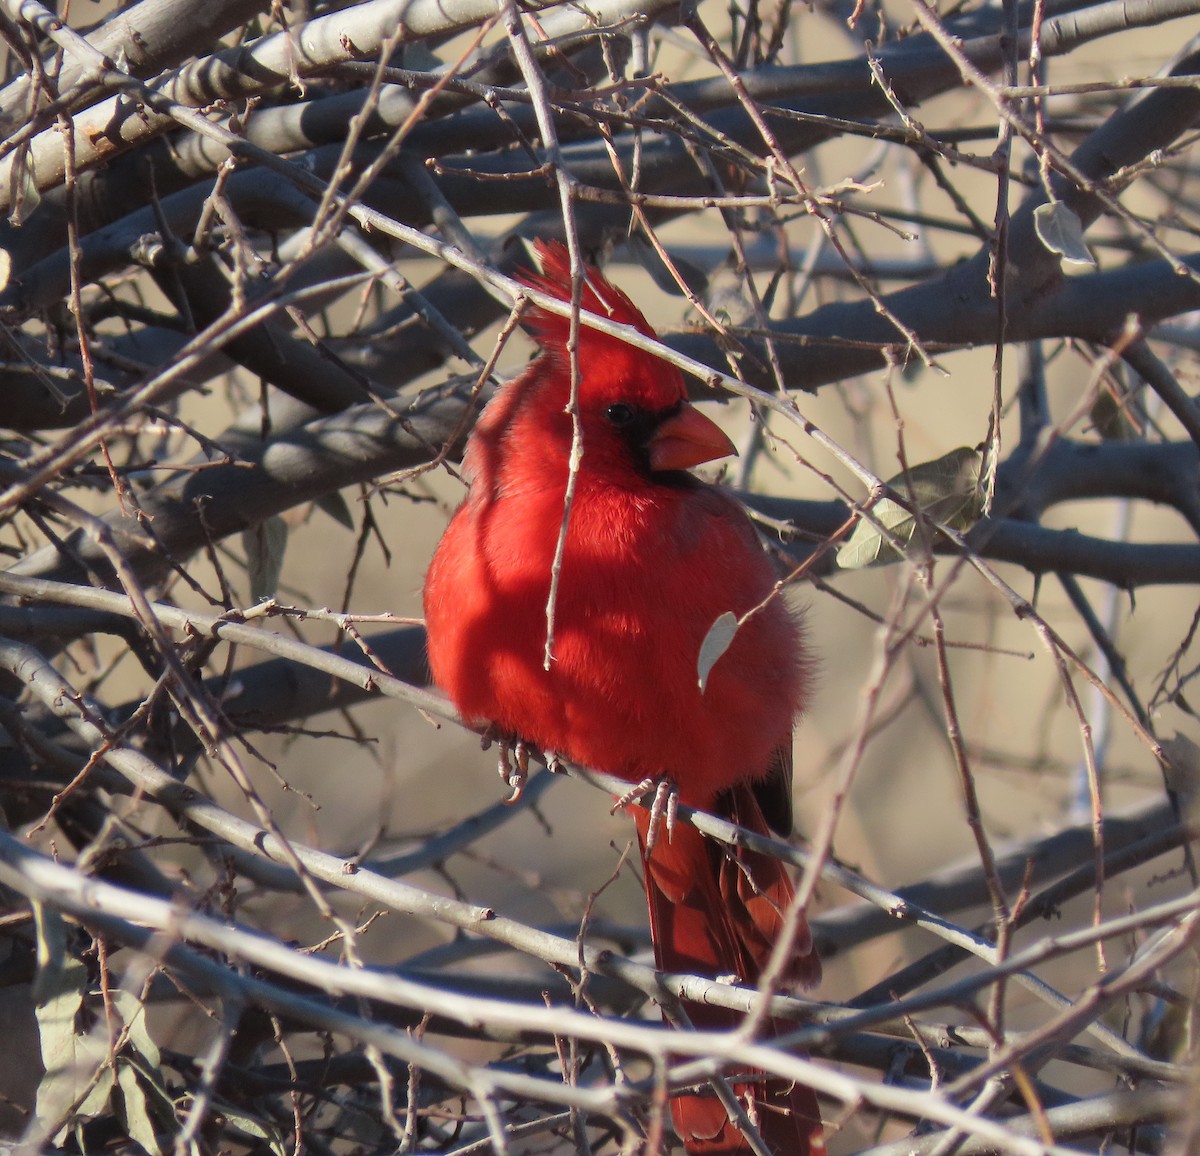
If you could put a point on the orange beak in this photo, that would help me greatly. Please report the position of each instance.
(687, 439)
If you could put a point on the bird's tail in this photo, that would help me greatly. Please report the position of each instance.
(717, 911)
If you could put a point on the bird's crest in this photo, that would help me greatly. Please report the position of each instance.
(550, 330)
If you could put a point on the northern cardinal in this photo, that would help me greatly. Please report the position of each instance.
(652, 558)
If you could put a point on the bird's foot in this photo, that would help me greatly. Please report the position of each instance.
(515, 773)
(513, 763)
(663, 806)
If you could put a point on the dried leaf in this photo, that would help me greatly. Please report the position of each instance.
(1061, 231)
(946, 490)
(715, 643)
(23, 192)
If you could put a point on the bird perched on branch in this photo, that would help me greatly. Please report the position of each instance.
(651, 558)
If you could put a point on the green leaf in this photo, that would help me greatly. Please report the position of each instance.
(78, 1079)
(1111, 418)
(248, 1125)
(133, 1014)
(265, 545)
(1061, 231)
(648, 257)
(1182, 770)
(138, 1122)
(81, 1072)
(715, 643)
(946, 490)
(337, 508)
(51, 952)
(150, 1108)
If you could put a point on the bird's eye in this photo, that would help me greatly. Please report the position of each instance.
(620, 414)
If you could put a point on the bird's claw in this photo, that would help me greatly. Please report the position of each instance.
(514, 771)
(513, 763)
(664, 807)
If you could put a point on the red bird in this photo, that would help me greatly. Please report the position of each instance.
(652, 558)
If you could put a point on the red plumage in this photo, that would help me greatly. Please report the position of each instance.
(652, 558)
